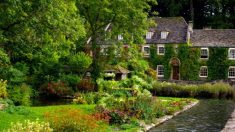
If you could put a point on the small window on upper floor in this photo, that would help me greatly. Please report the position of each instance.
(160, 49)
(204, 53)
(231, 53)
(231, 72)
(164, 34)
(203, 71)
(120, 37)
(149, 35)
(146, 50)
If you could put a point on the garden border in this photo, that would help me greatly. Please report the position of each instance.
(158, 121)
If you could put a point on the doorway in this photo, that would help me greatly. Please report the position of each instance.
(176, 73)
(175, 68)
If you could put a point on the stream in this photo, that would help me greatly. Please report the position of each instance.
(208, 116)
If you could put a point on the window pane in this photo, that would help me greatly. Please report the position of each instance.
(161, 50)
(232, 53)
(231, 72)
(149, 35)
(160, 71)
(146, 50)
(204, 53)
(203, 72)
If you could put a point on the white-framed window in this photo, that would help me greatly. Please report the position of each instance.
(146, 50)
(104, 51)
(231, 53)
(160, 70)
(120, 37)
(203, 71)
(204, 53)
(164, 34)
(149, 35)
(160, 49)
(231, 72)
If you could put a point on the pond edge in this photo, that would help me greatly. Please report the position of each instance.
(158, 121)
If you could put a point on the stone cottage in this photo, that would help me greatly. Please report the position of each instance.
(210, 52)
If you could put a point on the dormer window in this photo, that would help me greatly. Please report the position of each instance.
(120, 37)
(204, 53)
(146, 50)
(149, 35)
(164, 34)
(231, 53)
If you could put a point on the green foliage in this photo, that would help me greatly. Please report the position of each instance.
(3, 89)
(20, 94)
(80, 60)
(4, 59)
(217, 90)
(218, 63)
(34, 126)
(70, 79)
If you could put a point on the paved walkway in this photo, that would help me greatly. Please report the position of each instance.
(230, 125)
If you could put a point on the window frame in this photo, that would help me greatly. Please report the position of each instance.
(158, 46)
(207, 49)
(149, 35)
(206, 72)
(229, 54)
(164, 34)
(143, 51)
(120, 37)
(159, 72)
(234, 72)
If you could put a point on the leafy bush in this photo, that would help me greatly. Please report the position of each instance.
(147, 108)
(104, 85)
(55, 89)
(81, 61)
(71, 120)
(207, 90)
(30, 126)
(70, 79)
(20, 95)
(86, 85)
(3, 91)
(20, 110)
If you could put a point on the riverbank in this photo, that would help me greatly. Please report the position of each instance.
(163, 119)
(230, 125)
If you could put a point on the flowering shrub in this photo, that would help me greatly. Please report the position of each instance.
(55, 89)
(30, 126)
(79, 100)
(73, 120)
(111, 116)
(3, 91)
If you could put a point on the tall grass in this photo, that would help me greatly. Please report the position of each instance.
(207, 90)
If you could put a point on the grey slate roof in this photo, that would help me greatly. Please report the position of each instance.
(176, 26)
(213, 38)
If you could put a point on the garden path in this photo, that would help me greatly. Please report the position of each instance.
(230, 125)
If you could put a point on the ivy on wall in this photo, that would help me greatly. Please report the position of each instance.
(189, 57)
(218, 63)
(190, 65)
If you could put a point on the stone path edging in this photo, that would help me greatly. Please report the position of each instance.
(163, 119)
(230, 125)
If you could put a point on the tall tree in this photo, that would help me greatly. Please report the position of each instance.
(127, 18)
(40, 33)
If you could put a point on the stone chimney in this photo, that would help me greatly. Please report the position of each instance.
(190, 31)
(190, 26)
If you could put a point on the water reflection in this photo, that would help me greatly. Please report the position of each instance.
(207, 116)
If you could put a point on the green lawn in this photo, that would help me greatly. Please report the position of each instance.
(33, 113)
(37, 113)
